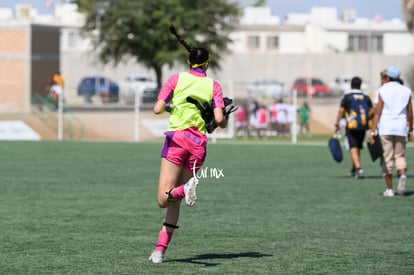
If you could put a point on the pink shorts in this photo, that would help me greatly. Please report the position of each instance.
(185, 148)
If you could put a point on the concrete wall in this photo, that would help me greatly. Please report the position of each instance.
(29, 54)
(14, 50)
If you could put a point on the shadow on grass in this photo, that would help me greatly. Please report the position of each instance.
(408, 193)
(365, 177)
(378, 176)
(199, 258)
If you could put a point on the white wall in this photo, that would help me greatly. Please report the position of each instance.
(336, 41)
(398, 44)
(292, 43)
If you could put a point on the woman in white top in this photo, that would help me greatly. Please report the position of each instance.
(394, 119)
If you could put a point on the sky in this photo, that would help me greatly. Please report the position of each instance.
(388, 9)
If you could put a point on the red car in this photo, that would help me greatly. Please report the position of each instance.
(316, 88)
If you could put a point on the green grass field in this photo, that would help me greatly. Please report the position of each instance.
(90, 208)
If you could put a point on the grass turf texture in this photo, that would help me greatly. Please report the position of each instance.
(90, 208)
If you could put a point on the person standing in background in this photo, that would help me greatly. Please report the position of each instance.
(393, 118)
(262, 121)
(56, 85)
(241, 120)
(291, 117)
(58, 79)
(282, 118)
(273, 118)
(253, 107)
(304, 112)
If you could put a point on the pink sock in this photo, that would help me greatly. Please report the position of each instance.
(164, 239)
(178, 192)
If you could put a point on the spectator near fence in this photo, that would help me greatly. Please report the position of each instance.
(282, 118)
(241, 120)
(56, 86)
(262, 121)
(304, 112)
(273, 125)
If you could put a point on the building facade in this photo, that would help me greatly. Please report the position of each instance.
(29, 54)
(322, 43)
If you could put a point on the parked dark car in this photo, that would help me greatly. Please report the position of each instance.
(316, 88)
(108, 90)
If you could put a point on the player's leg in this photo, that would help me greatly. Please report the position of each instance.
(388, 162)
(400, 163)
(173, 210)
(355, 139)
(165, 234)
(171, 175)
(354, 154)
(169, 178)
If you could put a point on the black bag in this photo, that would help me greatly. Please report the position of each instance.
(207, 112)
(375, 150)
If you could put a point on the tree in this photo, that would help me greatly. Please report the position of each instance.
(408, 12)
(140, 29)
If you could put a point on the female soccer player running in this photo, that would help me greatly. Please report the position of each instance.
(184, 148)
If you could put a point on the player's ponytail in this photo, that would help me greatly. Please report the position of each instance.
(181, 39)
(197, 57)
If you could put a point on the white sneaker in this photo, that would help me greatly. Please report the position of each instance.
(359, 174)
(190, 191)
(401, 184)
(388, 193)
(157, 257)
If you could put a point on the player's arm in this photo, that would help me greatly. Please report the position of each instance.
(221, 121)
(165, 95)
(339, 116)
(377, 115)
(371, 108)
(218, 105)
(410, 119)
(341, 112)
(159, 107)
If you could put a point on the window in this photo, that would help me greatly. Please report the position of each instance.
(273, 43)
(359, 43)
(253, 42)
(376, 44)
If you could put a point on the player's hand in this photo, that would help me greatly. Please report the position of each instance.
(229, 107)
(371, 139)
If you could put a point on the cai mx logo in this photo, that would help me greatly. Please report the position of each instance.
(207, 172)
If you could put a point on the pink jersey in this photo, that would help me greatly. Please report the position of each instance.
(273, 112)
(262, 118)
(187, 147)
(167, 90)
(241, 115)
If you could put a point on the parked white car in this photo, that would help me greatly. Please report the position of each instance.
(342, 84)
(267, 88)
(144, 85)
